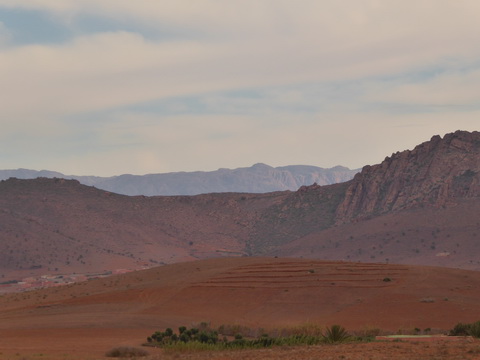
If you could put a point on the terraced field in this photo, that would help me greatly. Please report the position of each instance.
(307, 274)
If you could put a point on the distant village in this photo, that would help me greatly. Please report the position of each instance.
(46, 281)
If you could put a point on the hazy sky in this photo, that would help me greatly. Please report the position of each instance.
(106, 87)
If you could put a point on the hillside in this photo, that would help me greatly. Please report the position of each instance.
(416, 207)
(255, 292)
(437, 173)
(259, 178)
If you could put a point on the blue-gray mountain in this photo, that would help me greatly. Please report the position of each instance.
(259, 178)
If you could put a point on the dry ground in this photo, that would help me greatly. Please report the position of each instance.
(88, 348)
(372, 351)
(85, 320)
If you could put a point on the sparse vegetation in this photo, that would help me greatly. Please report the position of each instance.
(208, 339)
(461, 329)
(126, 352)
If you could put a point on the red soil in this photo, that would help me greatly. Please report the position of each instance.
(86, 319)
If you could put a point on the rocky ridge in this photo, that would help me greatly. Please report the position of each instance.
(435, 173)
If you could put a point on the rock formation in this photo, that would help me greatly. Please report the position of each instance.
(435, 173)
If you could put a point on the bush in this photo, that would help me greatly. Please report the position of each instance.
(335, 333)
(206, 336)
(126, 352)
(459, 330)
(475, 329)
(466, 330)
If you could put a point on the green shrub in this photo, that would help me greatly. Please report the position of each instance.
(459, 330)
(466, 330)
(474, 329)
(335, 333)
(184, 335)
(208, 339)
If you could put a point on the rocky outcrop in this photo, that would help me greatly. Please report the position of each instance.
(435, 173)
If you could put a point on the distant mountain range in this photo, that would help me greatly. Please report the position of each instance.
(259, 178)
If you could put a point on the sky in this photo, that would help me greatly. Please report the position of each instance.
(108, 87)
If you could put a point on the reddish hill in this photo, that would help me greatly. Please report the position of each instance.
(256, 292)
(416, 207)
(439, 237)
(60, 226)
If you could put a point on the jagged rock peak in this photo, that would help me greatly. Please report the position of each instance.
(434, 173)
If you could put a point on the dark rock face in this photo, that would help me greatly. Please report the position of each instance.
(435, 173)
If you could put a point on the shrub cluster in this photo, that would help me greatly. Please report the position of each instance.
(461, 329)
(208, 338)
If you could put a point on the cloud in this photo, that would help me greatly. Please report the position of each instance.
(94, 72)
(453, 88)
(245, 44)
(239, 75)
